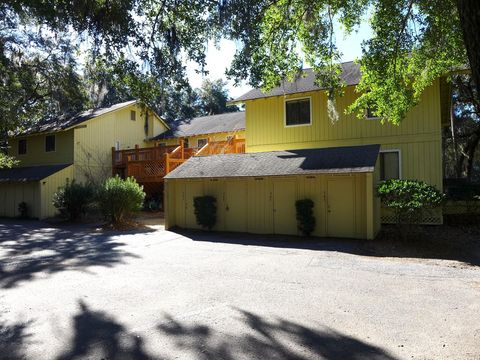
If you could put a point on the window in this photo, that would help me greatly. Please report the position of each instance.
(133, 115)
(22, 146)
(389, 164)
(297, 112)
(229, 137)
(49, 143)
(201, 142)
(185, 143)
(370, 114)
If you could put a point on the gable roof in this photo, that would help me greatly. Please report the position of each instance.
(29, 173)
(276, 163)
(203, 125)
(65, 122)
(350, 75)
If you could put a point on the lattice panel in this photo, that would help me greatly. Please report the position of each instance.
(428, 218)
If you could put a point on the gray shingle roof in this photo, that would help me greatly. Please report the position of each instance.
(29, 173)
(350, 76)
(202, 125)
(276, 163)
(66, 121)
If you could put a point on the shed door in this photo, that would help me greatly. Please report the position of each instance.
(340, 207)
(192, 189)
(284, 197)
(236, 205)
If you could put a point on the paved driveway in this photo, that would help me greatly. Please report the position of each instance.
(72, 293)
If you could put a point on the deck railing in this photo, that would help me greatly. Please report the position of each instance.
(153, 163)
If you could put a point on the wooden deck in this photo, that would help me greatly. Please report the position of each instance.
(150, 165)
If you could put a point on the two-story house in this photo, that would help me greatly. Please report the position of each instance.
(68, 148)
(294, 151)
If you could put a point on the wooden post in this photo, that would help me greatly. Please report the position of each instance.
(182, 149)
(167, 164)
(136, 153)
(113, 160)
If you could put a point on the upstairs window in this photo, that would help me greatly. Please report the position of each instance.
(370, 114)
(298, 112)
(389, 165)
(49, 143)
(22, 146)
(133, 115)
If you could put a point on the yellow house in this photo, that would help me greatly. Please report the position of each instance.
(286, 122)
(70, 148)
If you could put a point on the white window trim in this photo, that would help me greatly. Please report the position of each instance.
(285, 111)
(399, 151)
(199, 139)
(45, 144)
(26, 147)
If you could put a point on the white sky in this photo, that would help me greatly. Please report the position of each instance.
(219, 59)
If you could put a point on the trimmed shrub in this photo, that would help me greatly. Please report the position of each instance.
(119, 199)
(205, 211)
(23, 210)
(74, 200)
(305, 218)
(408, 199)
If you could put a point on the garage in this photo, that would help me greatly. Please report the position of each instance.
(256, 192)
(33, 185)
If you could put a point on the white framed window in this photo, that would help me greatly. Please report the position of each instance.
(133, 115)
(390, 164)
(22, 147)
(201, 142)
(50, 143)
(370, 114)
(298, 112)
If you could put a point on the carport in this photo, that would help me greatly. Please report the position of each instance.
(34, 185)
(256, 192)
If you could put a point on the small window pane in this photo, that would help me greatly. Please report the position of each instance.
(297, 112)
(49, 143)
(201, 142)
(389, 165)
(133, 115)
(22, 147)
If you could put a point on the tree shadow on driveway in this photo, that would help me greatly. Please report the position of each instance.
(432, 242)
(13, 338)
(26, 249)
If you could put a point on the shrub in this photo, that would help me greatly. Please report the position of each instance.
(409, 199)
(73, 200)
(23, 210)
(305, 218)
(205, 211)
(119, 199)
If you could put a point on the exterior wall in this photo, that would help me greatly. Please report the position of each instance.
(12, 194)
(94, 141)
(36, 154)
(192, 140)
(267, 205)
(418, 137)
(48, 187)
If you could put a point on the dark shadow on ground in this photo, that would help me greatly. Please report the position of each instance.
(13, 338)
(27, 248)
(97, 335)
(427, 242)
(268, 339)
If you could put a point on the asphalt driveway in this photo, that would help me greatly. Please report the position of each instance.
(74, 293)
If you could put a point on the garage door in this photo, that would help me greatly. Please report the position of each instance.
(340, 206)
(284, 213)
(12, 194)
(236, 205)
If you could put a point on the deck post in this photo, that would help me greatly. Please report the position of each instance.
(136, 152)
(113, 160)
(167, 164)
(182, 148)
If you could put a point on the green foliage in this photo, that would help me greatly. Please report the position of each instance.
(305, 217)
(205, 208)
(23, 210)
(74, 200)
(120, 199)
(7, 161)
(213, 97)
(409, 199)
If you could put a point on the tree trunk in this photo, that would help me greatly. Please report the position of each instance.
(469, 13)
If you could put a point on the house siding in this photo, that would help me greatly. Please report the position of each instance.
(192, 140)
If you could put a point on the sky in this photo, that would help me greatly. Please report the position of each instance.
(218, 59)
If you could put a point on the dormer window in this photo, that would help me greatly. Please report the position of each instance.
(22, 146)
(298, 112)
(50, 143)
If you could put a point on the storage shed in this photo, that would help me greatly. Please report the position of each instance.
(34, 185)
(256, 192)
